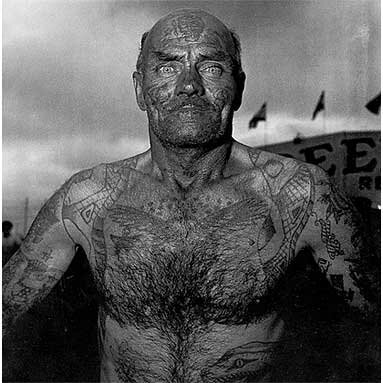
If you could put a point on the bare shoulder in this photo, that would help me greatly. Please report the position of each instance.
(90, 192)
(277, 171)
(99, 181)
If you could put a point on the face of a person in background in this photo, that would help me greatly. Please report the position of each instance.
(188, 84)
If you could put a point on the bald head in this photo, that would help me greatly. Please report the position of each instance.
(189, 59)
(188, 26)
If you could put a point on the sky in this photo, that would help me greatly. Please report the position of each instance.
(68, 98)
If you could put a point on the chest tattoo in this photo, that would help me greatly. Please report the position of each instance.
(177, 266)
(178, 272)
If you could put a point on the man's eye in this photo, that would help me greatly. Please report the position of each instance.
(166, 70)
(214, 71)
(239, 363)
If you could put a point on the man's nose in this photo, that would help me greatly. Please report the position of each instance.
(190, 83)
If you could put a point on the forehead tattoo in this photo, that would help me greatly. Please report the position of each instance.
(185, 27)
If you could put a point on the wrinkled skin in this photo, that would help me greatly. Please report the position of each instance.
(189, 241)
(188, 86)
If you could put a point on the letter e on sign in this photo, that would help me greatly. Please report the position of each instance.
(353, 154)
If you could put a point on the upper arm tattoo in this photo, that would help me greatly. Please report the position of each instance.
(340, 208)
(347, 260)
(49, 215)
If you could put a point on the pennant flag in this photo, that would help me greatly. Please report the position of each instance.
(319, 106)
(259, 116)
(374, 105)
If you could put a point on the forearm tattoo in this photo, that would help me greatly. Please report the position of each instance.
(26, 282)
(31, 273)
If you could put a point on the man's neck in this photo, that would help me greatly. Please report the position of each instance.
(189, 168)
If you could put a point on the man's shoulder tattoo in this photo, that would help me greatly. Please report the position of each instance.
(277, 170)
(90, 189)
(90, 194)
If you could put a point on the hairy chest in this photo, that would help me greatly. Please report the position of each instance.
(178, 263)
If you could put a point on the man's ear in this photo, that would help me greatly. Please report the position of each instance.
(137, 81)
(240, 87)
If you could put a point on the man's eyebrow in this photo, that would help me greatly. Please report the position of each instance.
(165, 56)
(215, 55)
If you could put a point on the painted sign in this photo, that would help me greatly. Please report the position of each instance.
(351, 158)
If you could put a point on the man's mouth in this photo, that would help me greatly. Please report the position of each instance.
(182, 105)
(191, 107)
(188, 113)
(188, 106)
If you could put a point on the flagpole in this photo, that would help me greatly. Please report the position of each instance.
(324, 121)
(267, 132)
(324, 113)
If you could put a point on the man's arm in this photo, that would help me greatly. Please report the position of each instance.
(40, 262)
(339, 244)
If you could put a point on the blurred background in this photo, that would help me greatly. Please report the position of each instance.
(68, 104)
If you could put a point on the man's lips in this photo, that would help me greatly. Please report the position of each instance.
(188, 113)
(192, 107)
(197, 105)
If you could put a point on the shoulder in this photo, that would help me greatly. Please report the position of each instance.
(281, 172)
(100, 179)
(88, 193)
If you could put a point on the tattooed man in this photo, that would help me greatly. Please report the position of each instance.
(188, 241)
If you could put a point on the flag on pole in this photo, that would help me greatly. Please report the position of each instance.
(259, 116)
(374, 105)
(319, 106)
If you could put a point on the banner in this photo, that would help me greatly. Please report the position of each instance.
(351, 158)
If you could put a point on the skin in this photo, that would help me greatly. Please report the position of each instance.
(188, 241)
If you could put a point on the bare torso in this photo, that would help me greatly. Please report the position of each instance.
(186, 278)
